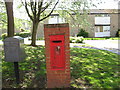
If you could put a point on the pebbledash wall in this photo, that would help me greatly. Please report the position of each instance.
(110, 22)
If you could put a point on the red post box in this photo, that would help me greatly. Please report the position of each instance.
(57, 52)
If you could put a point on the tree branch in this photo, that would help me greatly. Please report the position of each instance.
(50, 12)
(35, 10)
(22, 3)
(70, 15)
(31, 5)
(39, 8)
(46, 7)
(28, 11)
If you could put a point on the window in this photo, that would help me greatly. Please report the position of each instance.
(55, 20)
(106, 28)
(102, 29)
(102, 20)
(99, 28)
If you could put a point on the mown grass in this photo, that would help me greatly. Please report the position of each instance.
(32, 70)
(89, 68)
(94, 68)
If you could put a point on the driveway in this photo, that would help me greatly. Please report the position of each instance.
(38, 42)
(109, 45)
(103, 43)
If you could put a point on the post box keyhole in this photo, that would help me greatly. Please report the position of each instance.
(58, 50)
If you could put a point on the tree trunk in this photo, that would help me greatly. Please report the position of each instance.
(34, 32)
(10, 18)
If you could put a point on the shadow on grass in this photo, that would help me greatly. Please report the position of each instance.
(92, 68)
(32, 70)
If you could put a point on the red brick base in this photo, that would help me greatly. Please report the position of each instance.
(57, 78)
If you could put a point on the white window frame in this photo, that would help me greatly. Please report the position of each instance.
(97, 28)
(55, 20)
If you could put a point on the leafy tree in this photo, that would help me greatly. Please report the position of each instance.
(10, 17)
(38, 10)
(20, 24)
(3, 16)
(78, 10)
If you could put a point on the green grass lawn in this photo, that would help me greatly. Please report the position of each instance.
(94, 68)
(89, 68)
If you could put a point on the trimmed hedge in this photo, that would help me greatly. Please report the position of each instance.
(22, 34)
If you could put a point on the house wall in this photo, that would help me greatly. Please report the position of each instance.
(90, 29)
(91, 19)
(113, 25)
(118, 21)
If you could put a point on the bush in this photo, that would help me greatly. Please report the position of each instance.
(22, 34)
(117, 33)
(76, 39)
(79, 40)
(82, 33)
(72, 39)
(41, 38)
(3, 36)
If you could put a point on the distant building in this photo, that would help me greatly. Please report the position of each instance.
(104, 23)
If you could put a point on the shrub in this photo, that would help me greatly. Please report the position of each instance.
(76, 39)
(3, 36)
(41, 38)
(22, 34)
(82, 33)
(72, 39)
(79, 40)
(117, 33)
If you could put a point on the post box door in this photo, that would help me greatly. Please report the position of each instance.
(57, 53)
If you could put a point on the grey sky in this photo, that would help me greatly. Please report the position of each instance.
(106, 4)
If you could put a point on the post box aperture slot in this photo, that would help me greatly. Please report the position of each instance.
(57, 41)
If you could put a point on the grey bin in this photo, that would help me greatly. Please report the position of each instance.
(13, 49)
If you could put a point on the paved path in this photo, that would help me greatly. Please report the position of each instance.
(109, 45)
(111, 50)
(103, 43)
(38, 42)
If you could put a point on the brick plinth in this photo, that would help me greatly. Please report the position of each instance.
(57, 78)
